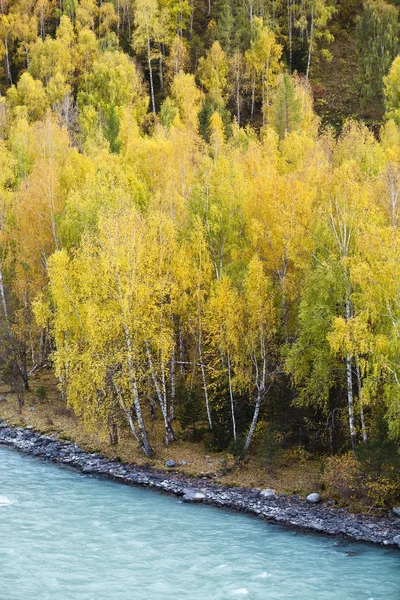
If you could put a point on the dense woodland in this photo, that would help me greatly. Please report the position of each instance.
(185, 238)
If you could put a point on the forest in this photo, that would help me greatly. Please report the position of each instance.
(200, 219)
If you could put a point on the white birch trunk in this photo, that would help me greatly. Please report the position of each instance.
(231, 398)
(147, 449)
(360, 400)
(350, 399)
(153, 102)
(161, 392)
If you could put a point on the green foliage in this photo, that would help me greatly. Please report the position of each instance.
(286, 108)
(111, 130)
(41, 392)
(269, 446)
(192, 415)
(392, 91)
(378, 40)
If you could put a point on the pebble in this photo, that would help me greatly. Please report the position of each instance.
(313, 498)
(268, 493)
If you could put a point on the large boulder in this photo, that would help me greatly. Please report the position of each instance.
(396, 540)
(396, 511)
(313, 498)
(193, 496)
(170, 464)
(268, 494)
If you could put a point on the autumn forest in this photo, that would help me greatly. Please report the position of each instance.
(190, 235)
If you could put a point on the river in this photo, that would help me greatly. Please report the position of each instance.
(66, 536)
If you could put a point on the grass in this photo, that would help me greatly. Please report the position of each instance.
(50, 415)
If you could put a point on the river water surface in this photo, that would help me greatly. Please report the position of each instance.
(66, 536)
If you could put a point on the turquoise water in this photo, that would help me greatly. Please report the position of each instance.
(66, 536)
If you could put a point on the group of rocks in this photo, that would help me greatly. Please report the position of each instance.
(310, 514)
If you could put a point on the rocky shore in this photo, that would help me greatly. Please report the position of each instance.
(290, 511)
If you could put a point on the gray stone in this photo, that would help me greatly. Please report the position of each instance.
(193, 496)
(170, 464)
(396, 540)
(396, 511)
(268, 493)
(181, 463)
(3, 399)
(31, 409)
(313, 498)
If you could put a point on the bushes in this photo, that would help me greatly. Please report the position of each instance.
(347, 478)
(342, 476)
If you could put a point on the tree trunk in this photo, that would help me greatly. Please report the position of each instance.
(253, 93)
(231, 398)
(350, 385)
(173, 384)
(290, 31)
(126, 412)
(161, 69)
(310, 45)
(162, 397)
(144, 440)
(153, 102)
(254, 420)
(8, 68)
(203, 376)
(360, 400)
(3, 299)
(350, 401)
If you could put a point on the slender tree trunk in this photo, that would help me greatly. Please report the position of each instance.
(310, 45)
(161, 68)
(27, 54)
(7, 57)
(282, 276)
(238, 95)
(290, 31)
(153, 102)
(253, 94)
(126, 412)
(173, 383)
(263, 98)
(360, 400)
(3, 299)
(231, 398)
(203, 376)
(147, 449)
(41, 19)
(350, 400)
(170, 436)
(260, 385)
(161, 392)
(118, 19)
(254, 420)
(180, 346)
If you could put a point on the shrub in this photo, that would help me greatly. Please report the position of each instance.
(269, 446)
(342, 476)
(382, 491)
(41, 392)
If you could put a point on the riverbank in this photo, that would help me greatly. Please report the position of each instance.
(293, 473)
(290, 511)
